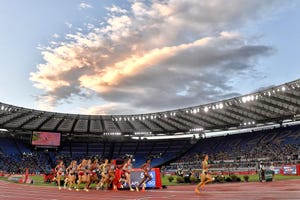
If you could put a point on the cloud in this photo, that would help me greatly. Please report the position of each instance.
(69, 25)
(155, 56)
(107, 108)
(55, 35)
(116, 9)
(115, 74)
(84, 5)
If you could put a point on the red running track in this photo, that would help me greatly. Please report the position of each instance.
(289, 189)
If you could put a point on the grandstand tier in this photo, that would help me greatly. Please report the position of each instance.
(228, 153)
(273, 105)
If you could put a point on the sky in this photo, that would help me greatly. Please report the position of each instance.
(138, 56)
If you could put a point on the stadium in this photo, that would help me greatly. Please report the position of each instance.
(237, 133)
(150, 99)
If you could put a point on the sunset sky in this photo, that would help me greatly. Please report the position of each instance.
(130, 57)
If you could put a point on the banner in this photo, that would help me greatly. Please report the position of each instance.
(290, 169)
(137, 176)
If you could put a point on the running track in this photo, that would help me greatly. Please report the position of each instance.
(280, 190)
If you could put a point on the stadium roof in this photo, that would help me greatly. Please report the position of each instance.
(269, 106)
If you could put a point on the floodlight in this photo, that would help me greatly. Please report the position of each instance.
(244, 99)
(205, 109)
(248, 98)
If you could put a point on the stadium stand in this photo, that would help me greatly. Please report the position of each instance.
(227, 153)
(244, 151)
(116, 136)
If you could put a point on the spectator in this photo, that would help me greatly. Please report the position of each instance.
(272, 168)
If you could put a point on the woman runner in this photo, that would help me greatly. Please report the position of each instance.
(146, 168)
(83, 175)
(60, 168)
(104, 174)
(205, 176)
(127, 167)
(93, 172)
(111, 175)
(72, 170)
